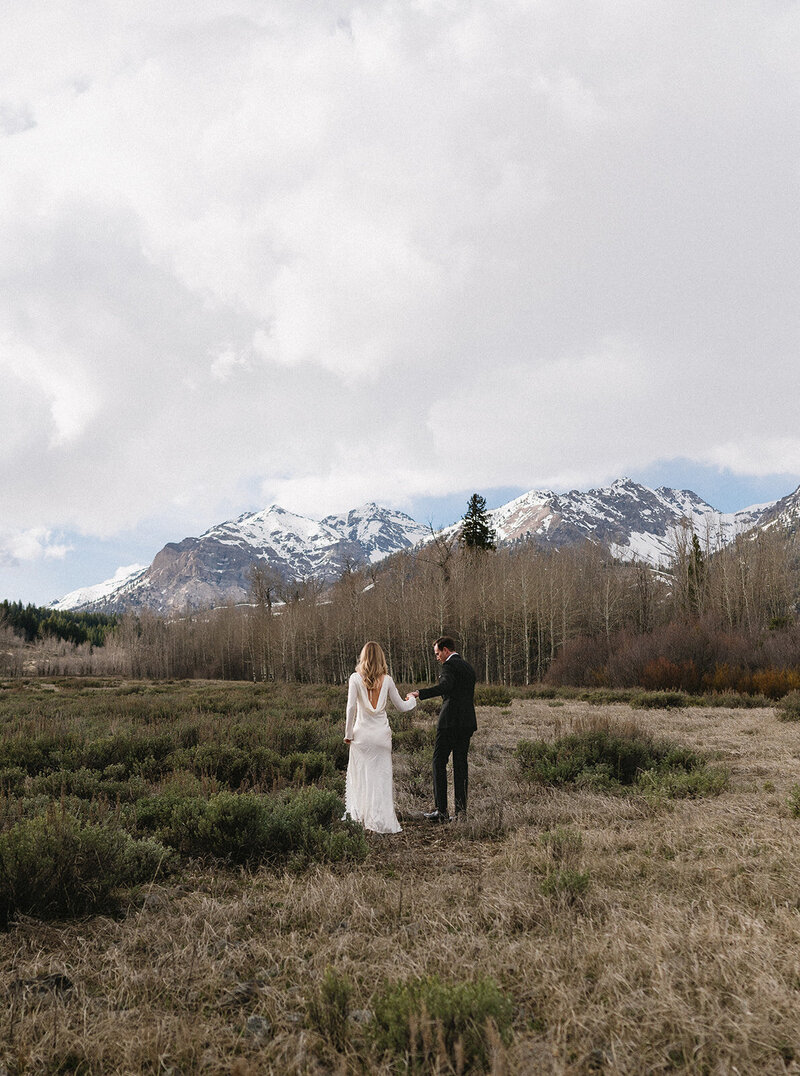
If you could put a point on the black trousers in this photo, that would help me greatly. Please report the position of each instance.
(455, 742)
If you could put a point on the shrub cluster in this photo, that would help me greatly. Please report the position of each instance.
(101, 783)
(57, 865)
(789, 707)
(659, 700)
(492, 695)
(296, 827)
(610, 760)
(430, 1025)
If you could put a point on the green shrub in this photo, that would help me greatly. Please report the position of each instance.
(130, 751)
(59, 866)
(414, 739)
(659, 700)
(266, 767)
(229, 765)
(305, 767)
(562, 843)
(15, 809)
(413, 1018)
(87, 785)
(566, 882)
(691, 784)
(492, 695)
(155, 812)
(604, 696)
(333, 747)
(297, 828)
(34, 754)
(612, 760)
(12, 780)
(328, 1008)
(613, 757)
(286, 736)
(788, 708)
(732, 700)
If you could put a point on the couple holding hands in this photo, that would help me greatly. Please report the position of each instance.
(369, 797)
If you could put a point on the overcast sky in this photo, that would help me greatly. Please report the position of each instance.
(320, 253)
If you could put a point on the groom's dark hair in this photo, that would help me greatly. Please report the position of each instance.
(445, 642)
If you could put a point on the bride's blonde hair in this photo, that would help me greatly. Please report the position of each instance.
(372, 664)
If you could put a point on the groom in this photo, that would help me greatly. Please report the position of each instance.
(456, 725)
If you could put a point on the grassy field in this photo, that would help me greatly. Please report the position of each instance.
(571, 925)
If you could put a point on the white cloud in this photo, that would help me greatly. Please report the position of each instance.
(33, 544)
(763, 456)
(317, 249)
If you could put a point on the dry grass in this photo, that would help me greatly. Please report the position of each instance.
(682, 954)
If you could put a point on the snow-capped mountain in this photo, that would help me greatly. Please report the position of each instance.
(214, 569)
(378, 531)
(633, 521)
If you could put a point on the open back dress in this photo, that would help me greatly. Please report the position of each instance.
(369, 795)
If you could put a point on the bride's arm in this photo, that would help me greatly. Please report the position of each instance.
(350, 713)
(397, 702)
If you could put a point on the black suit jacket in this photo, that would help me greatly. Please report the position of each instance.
(457, 688)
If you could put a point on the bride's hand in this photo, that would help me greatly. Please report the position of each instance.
(348, 741)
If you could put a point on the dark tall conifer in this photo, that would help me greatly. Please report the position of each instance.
(476, 531)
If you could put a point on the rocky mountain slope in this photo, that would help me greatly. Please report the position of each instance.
(633, 521)
(214, 569)
(784, 513)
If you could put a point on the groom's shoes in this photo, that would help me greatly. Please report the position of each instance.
(436, 816)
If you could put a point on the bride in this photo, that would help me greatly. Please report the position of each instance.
(368, 791)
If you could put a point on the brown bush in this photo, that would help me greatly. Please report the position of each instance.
(580, 663)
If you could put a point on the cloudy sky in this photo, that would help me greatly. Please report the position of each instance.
(326, 252)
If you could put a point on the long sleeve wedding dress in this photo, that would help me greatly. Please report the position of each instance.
(369, 796)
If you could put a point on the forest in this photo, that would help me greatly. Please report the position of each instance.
(39, 622)
(715, 619)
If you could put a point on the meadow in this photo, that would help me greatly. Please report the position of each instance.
(179, 895)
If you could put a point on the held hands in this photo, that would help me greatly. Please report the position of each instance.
(412, 695)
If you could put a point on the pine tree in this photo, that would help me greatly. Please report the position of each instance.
(696, 570)
(476, 531)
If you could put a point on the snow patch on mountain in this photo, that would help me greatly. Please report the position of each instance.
(121, 579)
(273, 526)
(378, 531)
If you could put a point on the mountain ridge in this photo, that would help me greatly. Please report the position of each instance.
(214, 568)
(633, 521)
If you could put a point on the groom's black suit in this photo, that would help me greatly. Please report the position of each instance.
(456, 725)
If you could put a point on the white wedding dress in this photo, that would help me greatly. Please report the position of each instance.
(369, 797)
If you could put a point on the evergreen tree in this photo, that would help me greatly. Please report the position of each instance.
(696, 569)
(476, 531)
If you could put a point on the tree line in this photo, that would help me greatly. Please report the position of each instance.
(716, 618)
(38, 622)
